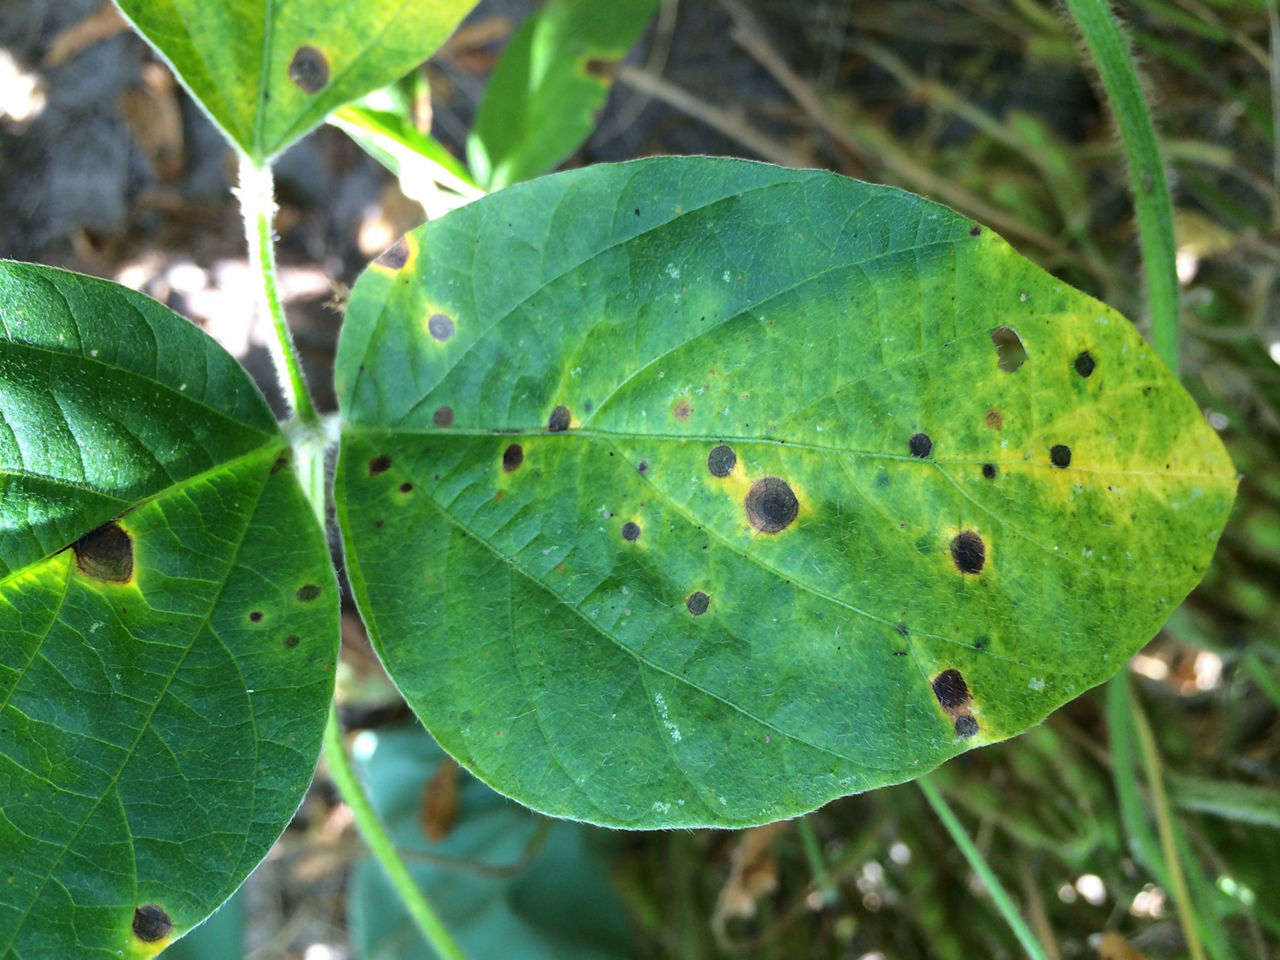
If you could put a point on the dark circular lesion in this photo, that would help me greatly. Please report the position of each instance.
(966, 726)
(968, 552)
(151, 923)
(512, 457)
(920, 445)
(951, 690)
(441, 327)
(379, 464)
(697, 603)
(395, 256)
(631, 531)
(105, 553)
(771, 505)
(1084, 363)
(721, 460)
(443, 417)
(308, 592)
(559, 420)
(989, 471)
(1060, 456)
(309, 69)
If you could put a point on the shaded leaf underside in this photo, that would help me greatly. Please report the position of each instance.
(605, 627)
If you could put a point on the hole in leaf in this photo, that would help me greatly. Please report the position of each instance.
(440, 327)
(512, 457)
(151, 923)
(558, 422)
(1010, 353)
(920, 445)
(309, 69)
(771, 505)
(969, 552)
(697, 603)
(105, 554)
(1060, 455)
(721, 460)
(630, 531)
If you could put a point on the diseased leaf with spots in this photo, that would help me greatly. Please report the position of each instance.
(742, 502)
(168, 621)
(267, 73)
(553, 79)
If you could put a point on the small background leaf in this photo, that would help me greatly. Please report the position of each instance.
(504, 888)
(267, 73)
(543, 96)
(164, 682)
(694, 491)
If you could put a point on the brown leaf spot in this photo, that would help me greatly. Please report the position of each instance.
(309, 69)
(631, 531)
(151, 923)
(697, 603)
(406, 487)
(994, 419)
(105, 554)
(920, 445)
(292, 640)
(441, 801)
(512, 457)
(559, 420)
(721, 460)
(443, 417)
(280, 464)
(379, 464)
(968, 552)
(966, 726)
(682, 410)
(1010, 353)
(771, 505)
(600, 68)
(951, 690)
(440, 327)
(308, 592)
(395, 256)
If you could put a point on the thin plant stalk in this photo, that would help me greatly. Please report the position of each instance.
(983, 869)
(256, 193)
(1165, 827)
(1152, 205)
(375, 835)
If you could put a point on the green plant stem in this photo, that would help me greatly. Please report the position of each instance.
(1165, 826)
(1146, 171)
(258, 207)
(375, 835)
(817, 864)
(983, 869)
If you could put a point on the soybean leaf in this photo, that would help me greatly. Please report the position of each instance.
(267, 73)
(696, 491)
(545, 92)
(168, 621)
(498, 874)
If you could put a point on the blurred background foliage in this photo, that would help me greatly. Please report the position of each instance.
(987, 105)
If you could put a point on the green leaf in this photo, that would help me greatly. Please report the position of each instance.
(168, 617)
(695, 491)
(267, 72)
(500, 876)
(545, 92)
